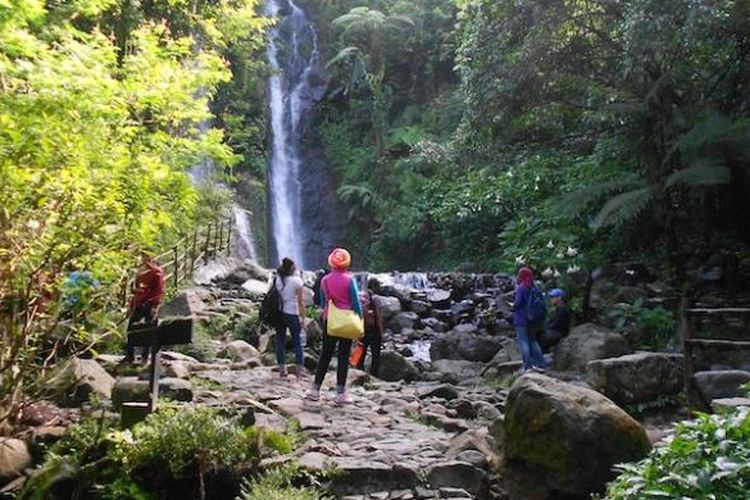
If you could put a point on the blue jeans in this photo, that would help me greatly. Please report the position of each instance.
(531, 353)
(292, 322)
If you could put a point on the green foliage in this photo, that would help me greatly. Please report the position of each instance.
(172, 448)
(178, 439)
(707, 458)
(283, 483)
(638, 410)
(652, 328)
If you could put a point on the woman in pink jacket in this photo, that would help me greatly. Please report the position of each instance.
(339, 287)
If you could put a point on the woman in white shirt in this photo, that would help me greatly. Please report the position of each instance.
(293, 310)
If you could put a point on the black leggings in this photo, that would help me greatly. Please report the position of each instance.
(329, 345)
(372, 340)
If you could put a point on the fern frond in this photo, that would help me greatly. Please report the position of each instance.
(344, 53)
(713, 130)
(575, 203)
(623, 207)
(704, 172)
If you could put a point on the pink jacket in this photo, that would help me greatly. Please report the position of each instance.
(340, 287)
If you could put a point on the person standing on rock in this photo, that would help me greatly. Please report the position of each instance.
(525, 321)
(374, 326)
(149, 292)
(290, 288)
(340, 288)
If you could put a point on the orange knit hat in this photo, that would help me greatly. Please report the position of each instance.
(339, 259)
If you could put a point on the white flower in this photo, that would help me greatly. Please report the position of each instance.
(33, 225)
(557, 273)
(537, 179)
(573, 269)
(547, 273)
(520, 259)
(536, 187)
(571, 252)
(510, 174)
(560, 255)
(550, 245)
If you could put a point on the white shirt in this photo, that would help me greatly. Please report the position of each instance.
(288, 289)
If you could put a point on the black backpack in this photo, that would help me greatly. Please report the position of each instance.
(270, 308)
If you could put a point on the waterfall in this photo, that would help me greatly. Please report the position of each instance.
(293, 54)
(244, 245)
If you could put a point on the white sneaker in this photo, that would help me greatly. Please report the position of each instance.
(312, 394)
(343, 399)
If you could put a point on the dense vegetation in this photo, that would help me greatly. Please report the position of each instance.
(494, 131)
(103, 110)
(193, 452)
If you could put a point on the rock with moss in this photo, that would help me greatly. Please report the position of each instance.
(562, 439)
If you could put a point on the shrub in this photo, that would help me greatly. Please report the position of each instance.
(708, 457)
(279, 483)
(202, 348)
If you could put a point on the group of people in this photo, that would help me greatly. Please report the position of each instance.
(338, 289)
(535, 336)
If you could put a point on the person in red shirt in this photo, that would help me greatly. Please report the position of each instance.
(147, 297)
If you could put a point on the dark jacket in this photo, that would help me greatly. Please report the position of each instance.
(560, 319)
(523, 295)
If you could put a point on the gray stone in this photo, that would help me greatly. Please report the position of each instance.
(434, 324)
(457, 474)
(402, 321)
(550, 426)
(255, 286)
(365, 475)
(465, 328)
(586, 343)
(443, 391)
(419, 307)
(77, 379)
(391, 306)
(473, 457)
(455, 370)
(14, 458)
(394, 367)
(637, 378)
(176, 369)
(128, 389)
(466, 346)
(239, 350)
(509, 351)
(725, 404)
(446, 492)
(720, 384)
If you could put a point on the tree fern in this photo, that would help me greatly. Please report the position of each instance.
(703, 173)
(574, 204)
(624, 207)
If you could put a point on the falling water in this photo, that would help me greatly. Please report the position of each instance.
(244, 242)
(293, 54)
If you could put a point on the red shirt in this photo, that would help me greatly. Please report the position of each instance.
(149, 286)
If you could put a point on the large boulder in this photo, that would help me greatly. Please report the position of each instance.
(239, 350)
(391, 306)
(636, 378)
(720, 384)
(77, 379)
(403, 320)
(456, 370)
(466, 346)
(586, 343)
(14, 458)
(394, 367)
(564, 439)
(128, 389)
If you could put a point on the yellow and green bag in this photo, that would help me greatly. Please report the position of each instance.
(344, 323)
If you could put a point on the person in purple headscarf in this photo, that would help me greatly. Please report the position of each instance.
(531, 352)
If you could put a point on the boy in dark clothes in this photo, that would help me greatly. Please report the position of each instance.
(558, 325)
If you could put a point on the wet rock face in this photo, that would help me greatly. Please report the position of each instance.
(566, 438)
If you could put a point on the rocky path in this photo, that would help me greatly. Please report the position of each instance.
(422, 440)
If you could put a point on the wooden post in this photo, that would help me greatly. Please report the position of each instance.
(192, 252)
(205, 246)
(687, 354)
(176, 266)
(153, 377)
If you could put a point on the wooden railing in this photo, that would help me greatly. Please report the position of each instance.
(179, 262)
(738, 316)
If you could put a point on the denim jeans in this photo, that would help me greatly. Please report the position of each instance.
(292, 322)
(531, 353)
